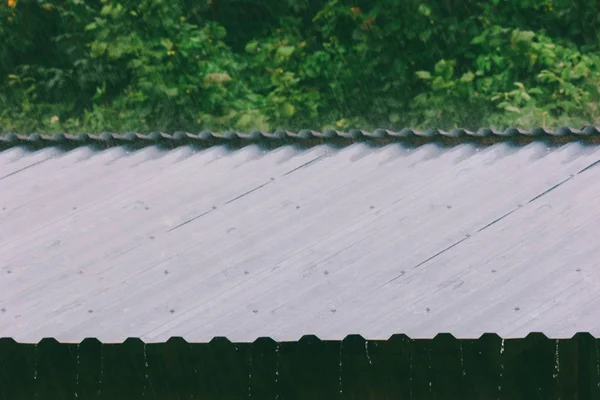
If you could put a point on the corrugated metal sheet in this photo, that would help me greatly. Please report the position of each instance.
(326, 241)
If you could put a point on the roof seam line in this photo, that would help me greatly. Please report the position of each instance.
(589, 166)
(249, 191)
(306, 164)
(545, 192)
(24, 168)
(191, 219)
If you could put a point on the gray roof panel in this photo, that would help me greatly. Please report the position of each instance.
(328, 241)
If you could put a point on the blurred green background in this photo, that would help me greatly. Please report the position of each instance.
(150, 65)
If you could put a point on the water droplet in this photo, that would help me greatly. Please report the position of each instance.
(77, 374)
(341, 347)
(462, 360)
(597, 365)
(501, 365)
(35, 372)
(556, 361)
(277, 371)
(101, 369)
(429, 368)
(410, 378)
(250, 374)
(367, 351)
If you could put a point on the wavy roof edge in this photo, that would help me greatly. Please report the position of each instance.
(560, 135)
(536, 336)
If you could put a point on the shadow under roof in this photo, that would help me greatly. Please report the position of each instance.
(330, 241)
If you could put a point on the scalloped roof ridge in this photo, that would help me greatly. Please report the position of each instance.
(562, 134)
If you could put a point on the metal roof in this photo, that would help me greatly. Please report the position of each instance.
(325, 240)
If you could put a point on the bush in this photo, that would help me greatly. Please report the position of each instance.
(146, 65)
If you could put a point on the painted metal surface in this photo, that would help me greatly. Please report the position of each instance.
(329, 241)
(399, 368)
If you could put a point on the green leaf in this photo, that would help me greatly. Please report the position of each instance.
(438, 83)
(424, 10)
(287, 110)
(98, 48)
(467, 77)
(440, 67)
(166, 43)
(251, 47)
(106, 10)
(479, 39)
(522, 36)
(285, 51)
(115, 52)
(510, 108)
(171, 92)
(394, 118)
(425, 75)
(90, 27)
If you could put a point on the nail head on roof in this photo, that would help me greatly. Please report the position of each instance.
(255, 311)
(166, 272)
(517, 308)
(172, 310)
(297, 207)
(90, 311)
(578, 270)
(3, 309)
(428, 309)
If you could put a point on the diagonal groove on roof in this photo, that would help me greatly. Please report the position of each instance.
(328, 249)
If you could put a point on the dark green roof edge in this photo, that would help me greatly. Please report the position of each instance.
(534, 367)
(207, 138)
(312, 338)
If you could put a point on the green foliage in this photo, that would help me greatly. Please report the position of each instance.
(144, 65)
